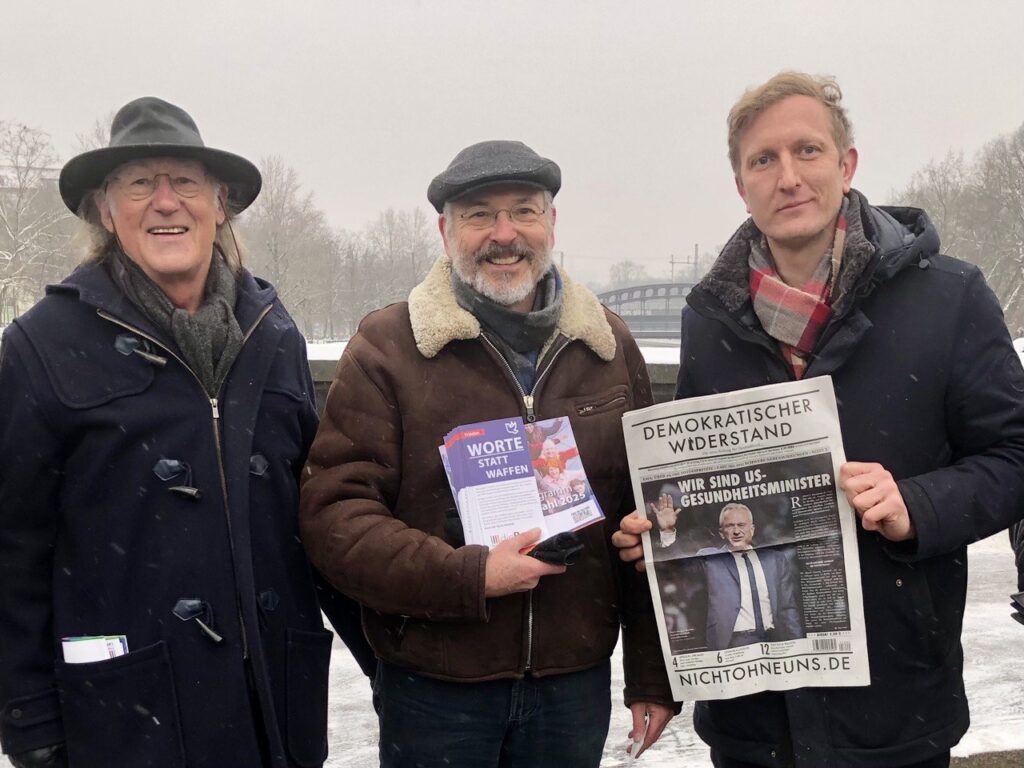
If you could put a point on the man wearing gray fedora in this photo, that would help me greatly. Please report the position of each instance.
(487, 657)
(156, 606)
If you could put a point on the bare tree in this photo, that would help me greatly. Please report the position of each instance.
(944, 189)
(356, 283)
(34, 224)
(623, 274)
(290, 242)
(978, 208)
(999, 232)
(404, 245)
(96, 136)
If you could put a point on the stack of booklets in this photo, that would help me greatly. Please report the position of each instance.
(508, 477)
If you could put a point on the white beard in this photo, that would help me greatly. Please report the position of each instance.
(505, 291)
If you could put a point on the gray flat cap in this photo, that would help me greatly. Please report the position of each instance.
(492, 162)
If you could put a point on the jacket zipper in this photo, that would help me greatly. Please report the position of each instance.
(531, 416)
(215, 411)
(528, 399)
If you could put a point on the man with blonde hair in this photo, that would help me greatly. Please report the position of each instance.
(819, 282)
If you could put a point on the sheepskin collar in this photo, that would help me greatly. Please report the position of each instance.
(437, 318)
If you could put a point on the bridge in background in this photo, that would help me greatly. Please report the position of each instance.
(651, 311)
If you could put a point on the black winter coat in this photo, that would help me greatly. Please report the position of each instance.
(928, 385)
(94, 542)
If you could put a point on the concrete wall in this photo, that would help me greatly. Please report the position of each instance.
(663, 379)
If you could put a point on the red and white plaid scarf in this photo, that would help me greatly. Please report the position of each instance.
(795, 316)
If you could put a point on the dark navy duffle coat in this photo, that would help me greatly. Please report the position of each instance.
(132, 503)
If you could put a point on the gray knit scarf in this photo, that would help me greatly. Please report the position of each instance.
(210, 339)
(518, 336)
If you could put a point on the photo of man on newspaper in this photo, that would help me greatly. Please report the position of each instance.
(752, 595)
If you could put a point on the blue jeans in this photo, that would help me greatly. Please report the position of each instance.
(545, 722)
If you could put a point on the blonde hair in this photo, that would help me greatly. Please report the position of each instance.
(754, 101)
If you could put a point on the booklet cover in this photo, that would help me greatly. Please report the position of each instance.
(507, 477)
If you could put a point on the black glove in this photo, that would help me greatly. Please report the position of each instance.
(561, 549)
(54, 756)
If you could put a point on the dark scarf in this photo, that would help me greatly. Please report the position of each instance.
(518, 336)
(210, 339)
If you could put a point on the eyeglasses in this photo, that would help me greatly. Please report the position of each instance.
(143, 187)
(485, 218)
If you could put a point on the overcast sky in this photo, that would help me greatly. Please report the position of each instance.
(368, 101)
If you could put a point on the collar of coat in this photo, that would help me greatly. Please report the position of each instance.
(893, 239)
(437, 318)
(92, 284)
(729, 276)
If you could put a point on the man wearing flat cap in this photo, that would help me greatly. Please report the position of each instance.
(156, 605)
(487, 657)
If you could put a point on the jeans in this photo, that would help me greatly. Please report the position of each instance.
(545, 722)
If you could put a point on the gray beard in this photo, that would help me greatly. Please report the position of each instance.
(505, 292)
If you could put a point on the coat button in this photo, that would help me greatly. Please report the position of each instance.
(899, 582)
(126, 343)
(16, 714)
(269, 600)
(258, 464)
(924, 263)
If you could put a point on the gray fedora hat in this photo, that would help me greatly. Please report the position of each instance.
(493, 162)
(151, 127)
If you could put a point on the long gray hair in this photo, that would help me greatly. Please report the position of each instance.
(97, 244)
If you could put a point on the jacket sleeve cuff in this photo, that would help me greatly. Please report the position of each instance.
(926, 526)
(644, 664)
(31, 722)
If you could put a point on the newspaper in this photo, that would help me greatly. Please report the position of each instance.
(752, 558)
(507, 477)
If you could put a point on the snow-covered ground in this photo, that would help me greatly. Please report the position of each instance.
(993, 672)
(994, 675)
(325, 350)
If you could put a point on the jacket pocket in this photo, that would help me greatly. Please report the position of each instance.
(277, 434)
(613, 400)
(90, 374)
(121, 711)
(309, 662)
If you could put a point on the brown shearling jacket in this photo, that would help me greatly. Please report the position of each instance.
(378, 518)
